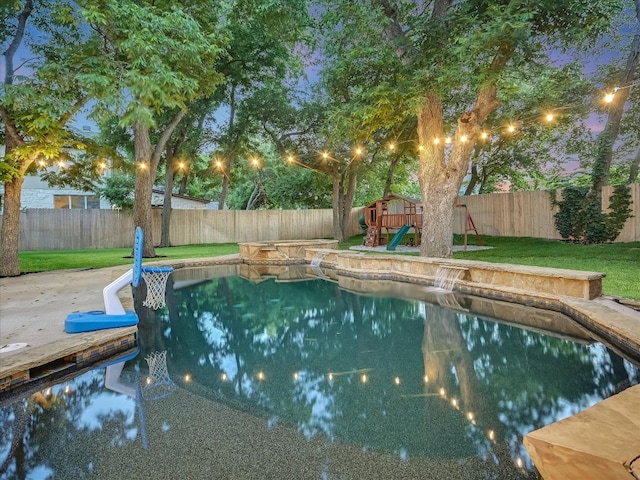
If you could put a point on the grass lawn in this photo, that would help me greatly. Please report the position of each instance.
(620, 261)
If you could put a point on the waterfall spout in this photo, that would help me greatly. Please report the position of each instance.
(446, 277)
(317, 259)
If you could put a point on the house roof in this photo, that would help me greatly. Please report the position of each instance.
(160, 191)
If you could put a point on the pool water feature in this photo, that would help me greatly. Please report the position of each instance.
(304, 379)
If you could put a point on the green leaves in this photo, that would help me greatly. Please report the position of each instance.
(580, 217)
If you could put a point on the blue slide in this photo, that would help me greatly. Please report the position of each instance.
(397, 238)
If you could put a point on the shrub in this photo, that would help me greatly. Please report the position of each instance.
(580, 217)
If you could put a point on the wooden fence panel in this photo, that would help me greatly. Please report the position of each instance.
(519, 214)
(530, 214)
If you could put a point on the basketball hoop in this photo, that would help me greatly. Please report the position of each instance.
(155, 277)
(158, 384)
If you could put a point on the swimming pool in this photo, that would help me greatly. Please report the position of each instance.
(303, 379)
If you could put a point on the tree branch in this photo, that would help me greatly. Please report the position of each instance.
(10, 129)
(17, 39)
(403, 48)
(166, 134)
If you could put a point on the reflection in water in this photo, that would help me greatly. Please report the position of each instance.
(404, 381)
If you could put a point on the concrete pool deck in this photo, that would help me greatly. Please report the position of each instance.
(33, 308)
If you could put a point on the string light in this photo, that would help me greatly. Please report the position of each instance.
(61, 164)
(426, 379)
(608, 98)
(261, 376)
(142, 165)
(187, 378)
(396, 380)
(224, 377)
(181, 165)
(510, 128)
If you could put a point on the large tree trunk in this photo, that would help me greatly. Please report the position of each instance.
(441, 177)
(10, 234)
(145, 176)
(439, 182)
(343, 201)
(148, 158)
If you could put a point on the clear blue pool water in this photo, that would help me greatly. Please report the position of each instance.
(306, 380)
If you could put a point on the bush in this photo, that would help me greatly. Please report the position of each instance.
(580, 217)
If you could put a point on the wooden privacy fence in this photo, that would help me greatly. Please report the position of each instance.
(529, 214)
(48, 229)
(520, 214)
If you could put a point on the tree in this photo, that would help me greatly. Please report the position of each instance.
(155, 58)
(36, 108)
(184, 144)
(580, 216)
(608, 137)
(451, 63)
(263, 55)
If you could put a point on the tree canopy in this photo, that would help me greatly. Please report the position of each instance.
(428, 91)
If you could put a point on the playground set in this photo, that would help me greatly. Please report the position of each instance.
(401, 214)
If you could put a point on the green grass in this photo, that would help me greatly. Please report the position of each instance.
(620, 261)
(42, 261)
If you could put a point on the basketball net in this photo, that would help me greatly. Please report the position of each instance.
(158, 384)
(156, 280)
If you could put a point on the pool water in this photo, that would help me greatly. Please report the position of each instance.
(303, 379)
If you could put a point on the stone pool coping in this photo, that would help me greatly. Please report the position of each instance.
(33, 308)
